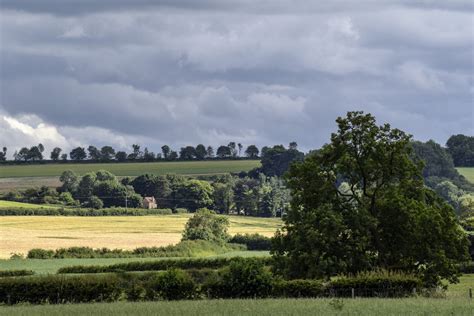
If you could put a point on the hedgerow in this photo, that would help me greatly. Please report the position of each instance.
(14, 273)
(159, 265)
(189, 248)
(252, 241)
(116, 211)
(241, 278)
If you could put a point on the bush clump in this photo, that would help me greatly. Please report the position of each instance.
(174, 284)
(38, 253)
(243, 278)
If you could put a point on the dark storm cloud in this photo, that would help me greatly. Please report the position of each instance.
(73, 7)
(185, 72)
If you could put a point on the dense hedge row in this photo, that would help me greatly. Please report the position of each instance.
(159, 265)
(59, 289)
(253, 241)
(241, 279)
(374, 284)
(116, 211)
(187, 248)
(13, 273)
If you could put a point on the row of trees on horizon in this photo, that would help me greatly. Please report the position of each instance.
(109, 154)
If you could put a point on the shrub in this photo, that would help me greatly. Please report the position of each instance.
(206, 225)
(252, 241)
(298, 288)
(37, 253)
(13, 273)
(173, 284)
(243, 278)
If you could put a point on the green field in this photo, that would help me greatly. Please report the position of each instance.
(10, 204)
(131, 169)
(44, 266)
(358, 306)
(468, 173)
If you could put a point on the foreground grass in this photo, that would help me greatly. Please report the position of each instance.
(467, 172)
(22, 233)
(374, 306)
(45, 266)
(131, 169)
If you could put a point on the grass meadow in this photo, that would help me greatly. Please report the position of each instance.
(51, 266)
(262, 307)
(468, 173)
(22, 233)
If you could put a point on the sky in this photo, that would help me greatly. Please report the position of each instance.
(184, 72)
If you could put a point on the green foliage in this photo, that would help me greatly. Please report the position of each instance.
(241, 279)
(383, 217)
(195, 194)
(174, 284)
(70, 181)
(252, 241)
(277, 160)
(14, 273)
(461, 148)
(37, 253)
(206, 225)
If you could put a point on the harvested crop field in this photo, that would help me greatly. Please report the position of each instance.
(18, 234)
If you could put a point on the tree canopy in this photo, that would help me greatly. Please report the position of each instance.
(359, 204)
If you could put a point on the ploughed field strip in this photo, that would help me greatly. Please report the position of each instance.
(22, 233)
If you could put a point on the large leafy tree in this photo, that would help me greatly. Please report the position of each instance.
(277, 160)
(359, 203)
(461, 148)
(206, 225)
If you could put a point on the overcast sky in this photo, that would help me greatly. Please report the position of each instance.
(118, 72)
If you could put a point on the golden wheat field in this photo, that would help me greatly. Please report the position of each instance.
(18, 234)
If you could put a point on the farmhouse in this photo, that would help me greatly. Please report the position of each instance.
(149, 202)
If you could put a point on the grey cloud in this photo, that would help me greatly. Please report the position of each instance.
(171, 72)
(73, 7)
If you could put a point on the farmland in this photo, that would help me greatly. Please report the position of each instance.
(131, 169)
(468, 173)
(21, 233)
(26, 176)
